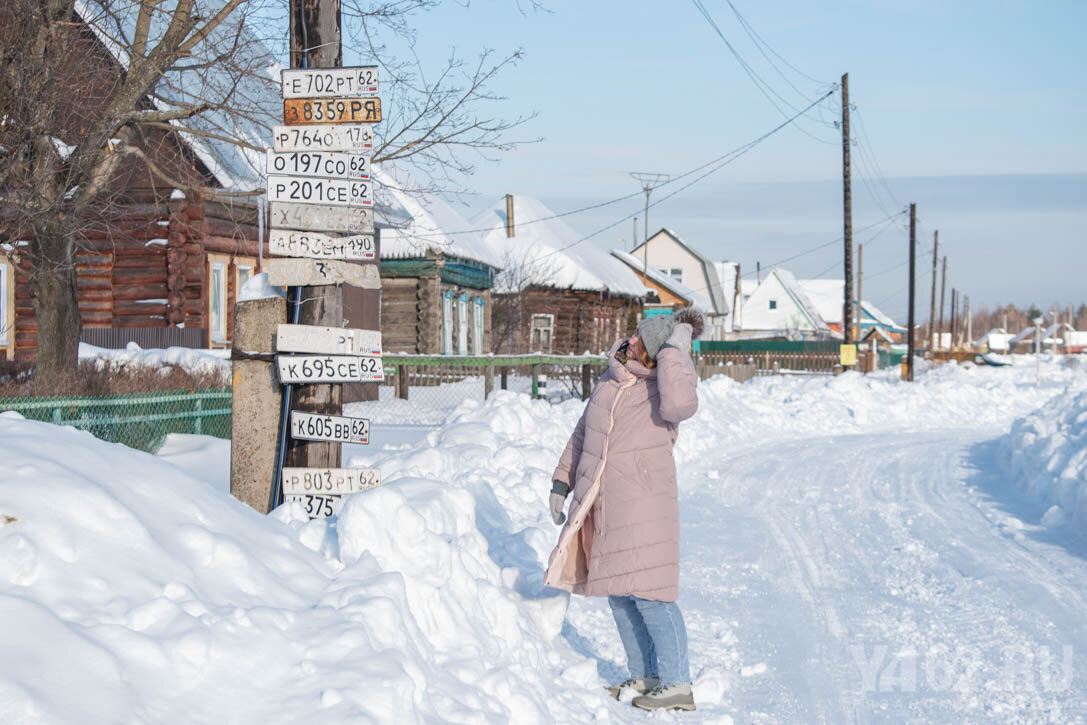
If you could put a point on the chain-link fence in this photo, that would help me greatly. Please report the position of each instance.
(424, 390)
(140, 420)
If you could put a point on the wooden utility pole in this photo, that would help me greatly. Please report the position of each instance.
(847, 217)
(911, 347)
(315, 43)
(943, 289)
(969, 322)
(932, 307)
(951, 330)
(860, 285)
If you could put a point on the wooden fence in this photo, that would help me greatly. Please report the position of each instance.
(769, 361)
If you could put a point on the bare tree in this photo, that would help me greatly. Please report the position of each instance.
(94, 90)
(522, 271)
(87, 90)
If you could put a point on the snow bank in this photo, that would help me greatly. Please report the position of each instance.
(944, 396)
(191, 359)
(132, 592)
(1048, 454)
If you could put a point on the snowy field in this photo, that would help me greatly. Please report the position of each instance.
(854, 549)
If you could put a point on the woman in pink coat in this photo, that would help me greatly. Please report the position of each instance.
(622, 536)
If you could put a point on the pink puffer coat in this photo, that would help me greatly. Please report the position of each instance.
(622, 534)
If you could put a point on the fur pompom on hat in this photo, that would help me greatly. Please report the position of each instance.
(655, 331)
(693, 317)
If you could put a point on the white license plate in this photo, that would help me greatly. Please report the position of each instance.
(319, 340)
(346, 137)
(343, 219)
(329, 369)
(328, 82)
(328, 481)
(331, 428)
(320, 246)
(318, 506)
(336, 164)
(306, 190)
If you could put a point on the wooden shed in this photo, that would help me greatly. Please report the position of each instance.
(436, 279)
(155, 265)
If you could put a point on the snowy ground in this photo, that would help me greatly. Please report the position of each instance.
(855, 549)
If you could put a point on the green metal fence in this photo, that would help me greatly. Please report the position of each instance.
(140, 420)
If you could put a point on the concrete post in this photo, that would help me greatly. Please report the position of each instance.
(488, 381)
(257, 399)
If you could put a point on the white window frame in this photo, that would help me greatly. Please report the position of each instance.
(549, 327)
(447, 322)
(477, 325)
(7, 317)
(217, 322)
(462, 325)
(238, 281)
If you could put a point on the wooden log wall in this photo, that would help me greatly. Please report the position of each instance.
(576, 313)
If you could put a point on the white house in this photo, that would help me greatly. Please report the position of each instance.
(828, 296)
(995, 340)
(779, 306)
(677, 259)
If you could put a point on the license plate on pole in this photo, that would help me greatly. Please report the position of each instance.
(303, 111)
(322, 217)
(315, 245)
(357, 137)
(329, 82)
(336, 164)
(307, 190)
(329, 369)
(328, 340)
(332, 428)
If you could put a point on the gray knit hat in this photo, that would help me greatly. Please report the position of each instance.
(654, 331)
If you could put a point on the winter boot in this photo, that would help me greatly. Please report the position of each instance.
(671, 697)
(641, 685)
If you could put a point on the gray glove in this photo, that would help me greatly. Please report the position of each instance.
(558, 500)
(680, 338)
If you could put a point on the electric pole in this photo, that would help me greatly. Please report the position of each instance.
(847, 215)
(649, 181)
(910, 338)
(315, 43)
(951, 331)
(932, 306)
(943, 289)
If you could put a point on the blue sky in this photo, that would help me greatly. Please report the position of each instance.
(974, 110)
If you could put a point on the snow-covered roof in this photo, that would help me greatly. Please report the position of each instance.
(872, 315)
(434, 225)
(827, 295)
(802, 315)
(248, 74)
(539, 239)
(677, 288)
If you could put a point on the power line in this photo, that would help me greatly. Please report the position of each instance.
(765, 88)
(727, 158)
(752, 31)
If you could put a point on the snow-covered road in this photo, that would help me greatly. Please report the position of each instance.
(879, 577)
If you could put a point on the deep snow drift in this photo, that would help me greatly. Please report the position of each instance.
(133, 592)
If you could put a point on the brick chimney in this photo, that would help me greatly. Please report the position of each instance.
(509, 215)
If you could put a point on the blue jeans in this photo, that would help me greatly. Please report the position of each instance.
(654, 638)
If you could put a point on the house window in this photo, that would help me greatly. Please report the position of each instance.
(543, 330)
(477, 325)
(773, 304)
(447, 322)
(7, 303)
(217, 302)
(462, 325)
(243, 271)
(673, 272)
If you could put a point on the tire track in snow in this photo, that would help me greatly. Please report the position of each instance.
(909, 558)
